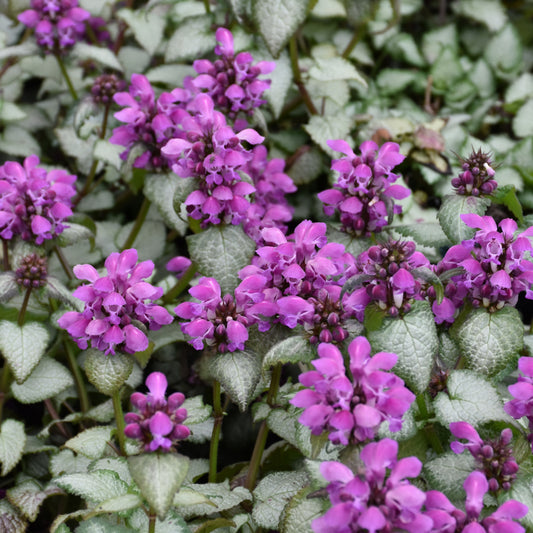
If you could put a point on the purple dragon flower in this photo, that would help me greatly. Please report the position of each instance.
(116, 305)
(158, 425)
(379, 498)
(448, 519)
(232, 81)
(364, 189)
(58, 24)
(493, 457)
(352, 408)
(477, 176)
(33, 202)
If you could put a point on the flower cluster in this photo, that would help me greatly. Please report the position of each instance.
(105, 87)
(493, 457)
(522, 392)
(158, 425)
(116, 305)
(477, 176)
(58, 24)
(364, 189)
(495, 265)
(352, 409)
(379, 498)
(448, 519)
(223, 321)
(32, 272)
(33, 202)
(385, 275)
(209, 150)
(232, 80)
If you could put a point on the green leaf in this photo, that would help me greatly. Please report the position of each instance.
(448, 472)
(107, 372)
(147, 26)
(521, 491)
(10, 112)
(197, 411)
(119, 465)
(307, 166)
(322, 129)
(118, 504)
(238, 373)
(47, 379)
(521, 89)
(292, 350)
(449, 215)
(490, 342)
(470, 398)
(220, 252)
(23, 346)
(504, 52)
(159, 476)
(108, 153)
(104, 56)
(186, 496)
(150, 242)
(92, 442)
(301, 511)
(96, 487)
(281, 83)
(272, 495)
(283, 422)
(424, 233)
(74, 233)
(413, 338)
(191, 40)
(65, 462)
(55, 289)
(506, 195)
(491, 13)
(277, 20)
(28, 496)
(15, 140)
(335, 68)
(12, 441)
(173, 523)
(523, 121)
(102, 525)
(8, 286)
(446, 70)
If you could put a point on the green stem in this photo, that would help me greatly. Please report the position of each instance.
(119, 419)
(356, 37)
(73, 92)
(260, 441)
(4, 387)
(5, 258)
(218, 415)
(78, 378)
(22, 312)
(180, 286)
(63, 261)
(422, 407)
(433, 438)
(141, 217)
(195, 225)
(207, 6)
(151, 521)
(293, 49)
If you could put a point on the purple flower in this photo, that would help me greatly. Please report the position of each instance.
(379, 498)
(223, 321)
(232, 81)
(58, 24)
(159, 421)
(33, 202)
(448, 519)
(493, 457)
(116, 305)
(477, 176)
(364, 189)
(352, 408)
(179, 265)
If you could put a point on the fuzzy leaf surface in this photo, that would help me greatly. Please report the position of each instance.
(91, 442)
(107, 373)
(12, 441)
(292, 350)
(28, 496)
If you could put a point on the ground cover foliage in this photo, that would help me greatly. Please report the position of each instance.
(266, 266)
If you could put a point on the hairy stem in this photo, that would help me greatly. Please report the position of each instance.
(141, 217)
(78, 377)
(71, 89)
(218, 415)
(293, 49)
(180, 286)
(22, 312)
(119, 419)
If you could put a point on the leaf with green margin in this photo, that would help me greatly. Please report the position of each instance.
(504, 52)
(283, 422)
(75, 233)
(413, 338)
(119, 504)
(173, 523)
(107, 373)
(506, 195)
(65, 462)
(97, 487)
(301, 511)
(197, 411)
(322, 129)
(118, 465)
(335, 68)
(8, 286)
(55, 289)
(449, 215)
(103, 55)
(489, 342)
(238, 373)
(191, 40)
(10, 520)
(523, 121)
(91, 442)
(220, 252)
(448, 472)
(147, 26)
(23, 346)
(424, 233)
(28, 497)
(102, 525)
(427, 275)
(47, 379)
(273, 493)
(159, 476)
(470, 398)
(277, 20)
(521, 490)
(295, 349)
(187, 496)
(12, 442)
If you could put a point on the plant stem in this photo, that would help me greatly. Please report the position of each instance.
(5, 258)
(4, 387)
(73, 92)
(293, 49)
(119, 419)
(175, 291)
(260, 441)
(151, 521)
(78, 378)
(218, 415)
(53, 413)
(207, 6)
(22, 312)
(422, 407)
(64, 262)
(141, 217)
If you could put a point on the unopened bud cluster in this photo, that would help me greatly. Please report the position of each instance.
(32, 272)
(477, 176)
(105, 86)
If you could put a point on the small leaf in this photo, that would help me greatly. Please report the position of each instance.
(449, 215)
(238, 373)
(55, 289)
(335, 68)
(521, 89)
(281, 82)
(292, 350)
(173, 523)
(118, 504)
(107, 372)
(322, 129)
(159, 476)
(96, 487)
(523, 121)
(413, 338)
(424, 233)
(490, 342)
(470, 398)
(492, 13)
(8, 286)
(23, 346)
(186, 496)
(12, 441)
(105, 56)
(283, 422)
(521, 491)
(10, 520)
(301, 511)
(108, 153)
(91, 442)
(28, 496)
(220, 252)
(47, 379)
(506, 195)
(277, 20)
(426, 274)
(102, 525)
(448, 472)
(147, 26)
(191, 40)
(504, 52)
(65, 462)
(74, 233)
